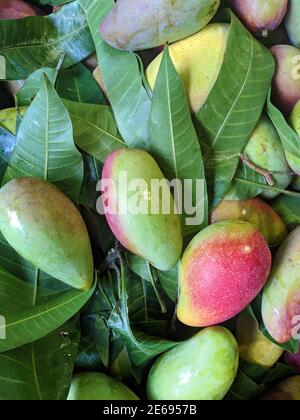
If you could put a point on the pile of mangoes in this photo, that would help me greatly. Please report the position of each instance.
(229, 263)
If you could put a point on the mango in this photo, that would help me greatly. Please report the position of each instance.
(198, 60)
(296, 183)
(139, 24)
(286, 81)
(281, 296)
(222, 270)
(201, 368)
(16, 9)
(95, 386)
(46, 228)
(146, 223)
(260, 16)
(256, 212)
(292, 22)
(288, 390)
(293, 161)
(265, 150)
(254, 347)
(293, 360)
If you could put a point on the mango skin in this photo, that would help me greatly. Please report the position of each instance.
(97, 387)
(46, 228)
(285, 86)
(292, 22)
(198, 60)
(281, 296)
(254, 347)
(256, 212)
(293, 161)
(288, 390)
(155, 237)
(222, 270)
(201, 368)
(265, 150)
(16, 9)
(138, 25)
(260, 16)
(293, 360)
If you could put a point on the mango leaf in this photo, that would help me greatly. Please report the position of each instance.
(124, 87)
(41, 370)
(78, 84)
(25, 323)
(246, 184)
(95, 130)
(288, 209)
(174, 143)
(234, 106)
(34, 42)
(45, 147)
(289, 138)
(33, 84)
(169, 282)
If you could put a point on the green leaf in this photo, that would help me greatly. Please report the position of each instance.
(95, 130)
(288, 209)
(169, 282)
(33, 84)
(246, 184)
(25, 323)
(41, 370)
(45, 147)
(234, 106)
(34, 42)
(174, 142)
(123, 85)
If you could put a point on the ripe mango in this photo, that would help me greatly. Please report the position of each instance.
(198, 60)
(153, 235)
(288, 390)
(222, 270)
(260, 16)
(16, 9)
(254, 347)
(292, 22)
(281, 296)
(96, 387)
(46, 228)
(265, 150)
(141, 24)
(293, 161)
(286, 81)
(201, 368)
(256, 212)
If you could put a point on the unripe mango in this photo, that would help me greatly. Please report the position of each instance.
(265, 150)
(281, 297)
(46, 228)
(141, 24)
(150, 233)
(201, 368)
(256, 212)
(97, 386)
(222, 270)
(254, 347)
(293, 161)
(288, 390)
(16, 9)
(198, 60)
(292, 22)
(260, 16)
(286, 82)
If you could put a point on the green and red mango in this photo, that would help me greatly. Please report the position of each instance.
(155, 237)
(292, 22)
(16, 9)
(222, 270)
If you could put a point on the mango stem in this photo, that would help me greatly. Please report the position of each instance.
(268, 177)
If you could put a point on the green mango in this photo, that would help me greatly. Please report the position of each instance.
(97, 386)
(265, 150)
(292, 22)
(46, 228)
(135, 212)
(141, 24)
(281, 296)
(201, 368)
(293, 161)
